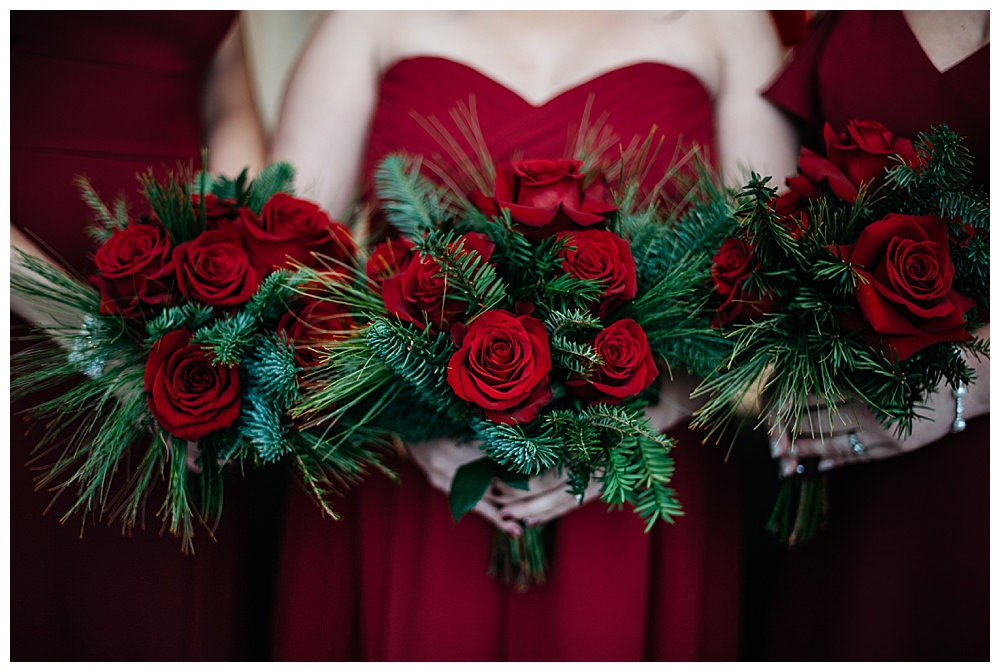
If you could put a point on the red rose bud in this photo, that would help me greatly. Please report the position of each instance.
(628, 367)
(905, 294)
(295, 231)
(188, 395)
(387, 259)
(731, 266)
(217, 209)
(215, 268)
(420, 293)
(863, 151)
(815, 170)
(546, 197)
(310, 327)
(502, 366)
(604, 256)
(134, 268)
(791, 209)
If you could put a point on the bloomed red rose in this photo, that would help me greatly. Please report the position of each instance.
(315, 324)
(134, 269)
(545, 197)
(502, 366)
(294, 231)
(188, 395)
(215, 268)
(603, 256)
(421, 293)
(627, 366)
(905, 294)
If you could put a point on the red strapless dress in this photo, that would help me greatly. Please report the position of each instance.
(106, 94)
(903, 571)
(397, 579)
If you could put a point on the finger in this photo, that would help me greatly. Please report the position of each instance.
(193, 457)
(549, 506)
(492, 514)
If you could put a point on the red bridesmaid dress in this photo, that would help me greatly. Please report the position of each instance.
(398, 580)
(106, 94)
(902, 573)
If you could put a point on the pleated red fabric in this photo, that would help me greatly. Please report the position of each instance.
(399, 580)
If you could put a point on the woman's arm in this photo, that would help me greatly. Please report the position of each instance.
(323, 126)
(234, 132)
(751, 133)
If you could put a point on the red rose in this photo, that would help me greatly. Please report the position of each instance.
(419, 294)
(215, 268)
(316, 323)
(502, 365)
(628, 367)
(134, 268)
(791, 209)
(815, 170)
(188, 395)
(387, 259)
(864, 150)
(731, 266)
(601, 255)
(216, 209)
(545, 197)
(292, 230)
(905, 294)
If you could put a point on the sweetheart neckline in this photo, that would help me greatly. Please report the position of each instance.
(558, 94)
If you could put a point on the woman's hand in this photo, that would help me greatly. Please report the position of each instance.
(547, 498)
(440, 459)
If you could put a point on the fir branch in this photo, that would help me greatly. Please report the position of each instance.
(510, 446)
(470, 277)
(229, 338)
(272, 179)
(410, 202)
(419, 360)
(657, 502)
(191, 316)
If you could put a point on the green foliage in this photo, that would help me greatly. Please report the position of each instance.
(469, 485)
(511, 447)
(274, 178)
(105, 220)
(410, 202)
(170, 201)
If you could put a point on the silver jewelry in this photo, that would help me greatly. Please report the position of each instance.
(857, 447)
(959, 424)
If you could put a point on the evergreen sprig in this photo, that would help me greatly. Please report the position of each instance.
(410, 202)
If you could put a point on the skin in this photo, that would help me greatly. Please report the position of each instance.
(332, 94)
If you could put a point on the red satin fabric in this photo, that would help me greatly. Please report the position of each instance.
(903, 571)
(106, 94)
(398, 580)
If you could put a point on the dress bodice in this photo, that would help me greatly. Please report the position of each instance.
(635, 98)
(853, 58)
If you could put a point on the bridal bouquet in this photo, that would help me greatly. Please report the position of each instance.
(533, 310)
(179, 359)
(865, 280)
